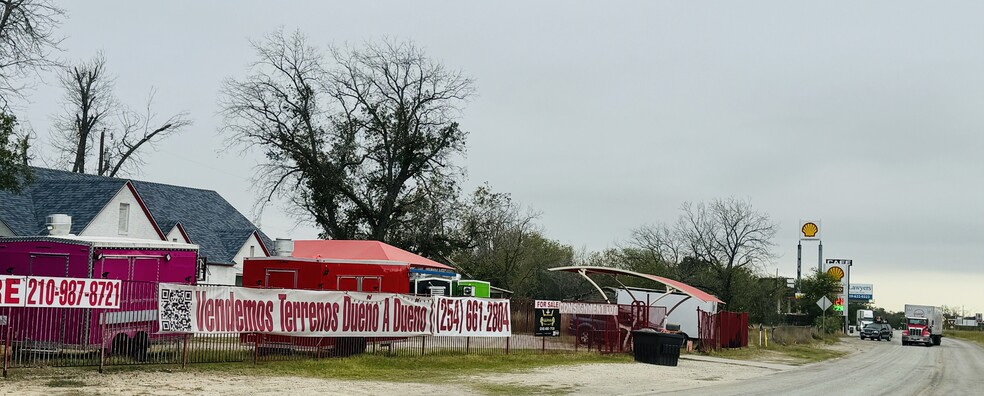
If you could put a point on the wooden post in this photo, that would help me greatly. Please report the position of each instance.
(507, 344)
(423, 341)
(102, 349)
(184, 353)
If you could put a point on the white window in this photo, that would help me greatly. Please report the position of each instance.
(124, 218)
(252, 251)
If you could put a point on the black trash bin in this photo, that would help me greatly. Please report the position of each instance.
(650, 346)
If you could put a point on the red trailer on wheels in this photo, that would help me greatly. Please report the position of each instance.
(360, 266)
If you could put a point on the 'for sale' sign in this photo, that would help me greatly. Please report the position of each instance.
(547, 318)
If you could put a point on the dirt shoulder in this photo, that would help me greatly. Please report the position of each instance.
(693, 371)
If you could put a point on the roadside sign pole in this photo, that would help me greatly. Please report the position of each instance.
(823, 303)
(820, 256)
(799, 265)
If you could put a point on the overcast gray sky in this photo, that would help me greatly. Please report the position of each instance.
(608, 115)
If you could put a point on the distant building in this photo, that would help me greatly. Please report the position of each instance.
(106, 206)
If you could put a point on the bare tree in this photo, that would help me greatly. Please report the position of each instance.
(90, 104)
(723, 237)
(27, 37)
(508, 247)
(137, 130)
(357, 144)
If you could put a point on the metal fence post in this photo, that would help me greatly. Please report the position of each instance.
(256, 347)
(102, 341)
(577, 329)
(6, 348)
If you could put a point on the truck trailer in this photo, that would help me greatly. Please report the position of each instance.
(140, 264)
(923, 325)
(863, 317)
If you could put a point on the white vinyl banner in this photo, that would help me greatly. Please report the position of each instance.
(472, 317)
(211, 310)
(12, 290)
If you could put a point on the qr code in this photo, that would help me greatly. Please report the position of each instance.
(175, 310)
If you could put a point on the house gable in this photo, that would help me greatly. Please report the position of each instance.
(252, 247)
(177, 234)
(124, 215)
(207, 219)
(224, 274)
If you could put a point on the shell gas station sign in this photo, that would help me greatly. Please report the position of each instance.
(809, 230)
(840, 270)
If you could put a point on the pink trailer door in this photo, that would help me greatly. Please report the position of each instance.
(45, 325)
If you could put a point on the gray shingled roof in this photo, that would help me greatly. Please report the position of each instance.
(208, 219)
(80, 196)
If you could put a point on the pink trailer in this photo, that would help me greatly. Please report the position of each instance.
(139, 264)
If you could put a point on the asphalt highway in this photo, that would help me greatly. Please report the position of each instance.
(880, 368)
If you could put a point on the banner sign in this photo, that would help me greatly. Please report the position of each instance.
(52, 292)
(547, 318)
(862, 291)
(588, 308)
(215, 310)
(472, 317)
(12, 291)
(840, 270)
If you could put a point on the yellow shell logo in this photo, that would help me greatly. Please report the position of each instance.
(836, 272)
(810, 230)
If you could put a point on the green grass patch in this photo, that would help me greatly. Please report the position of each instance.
(969, 335)
(786, 354)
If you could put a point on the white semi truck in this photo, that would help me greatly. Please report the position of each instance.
(923, 325)
(864, 317)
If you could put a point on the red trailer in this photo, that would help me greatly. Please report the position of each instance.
(362, 266)
(140, 264)
(326, 274)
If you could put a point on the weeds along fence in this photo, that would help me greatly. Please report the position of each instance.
(37, 337)
(781, 335)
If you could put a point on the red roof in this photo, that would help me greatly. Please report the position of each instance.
(683, 287)
(361, 250)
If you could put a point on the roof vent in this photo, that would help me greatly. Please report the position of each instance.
(59, 224)
(283, 247)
